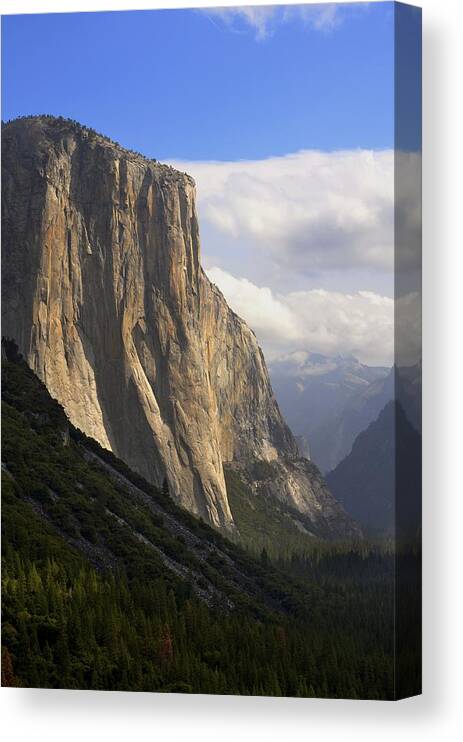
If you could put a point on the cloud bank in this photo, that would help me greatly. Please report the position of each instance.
(320, 321)
(306, 212)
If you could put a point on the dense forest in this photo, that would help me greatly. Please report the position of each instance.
(107, 584)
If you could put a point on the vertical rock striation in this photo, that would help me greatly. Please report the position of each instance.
(104, 292)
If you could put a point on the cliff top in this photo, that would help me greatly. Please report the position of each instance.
(54, 127)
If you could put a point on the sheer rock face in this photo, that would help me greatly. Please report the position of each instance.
(104, 292)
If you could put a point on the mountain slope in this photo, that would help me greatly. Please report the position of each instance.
(107, 584)
(379, 482)
(104, 292)
(103, 509)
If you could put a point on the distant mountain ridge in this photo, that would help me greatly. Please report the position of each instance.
(329, 401)
(379, 481)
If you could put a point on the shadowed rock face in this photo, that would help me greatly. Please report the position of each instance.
(104, 292)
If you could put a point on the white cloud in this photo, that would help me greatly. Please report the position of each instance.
(265, 313)
(307, 212)
(263, 20)
(258, 18)
(320, 321)
(320, 17)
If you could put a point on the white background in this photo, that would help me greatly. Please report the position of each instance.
(79, 715)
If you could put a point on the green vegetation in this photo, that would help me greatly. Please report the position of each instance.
(67, 625)
(264, 523)
(107, 584)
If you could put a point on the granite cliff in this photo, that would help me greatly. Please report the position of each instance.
(104, 293)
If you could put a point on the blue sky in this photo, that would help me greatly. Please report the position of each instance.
(192, 85)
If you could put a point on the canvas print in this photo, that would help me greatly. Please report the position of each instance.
(211, 350)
